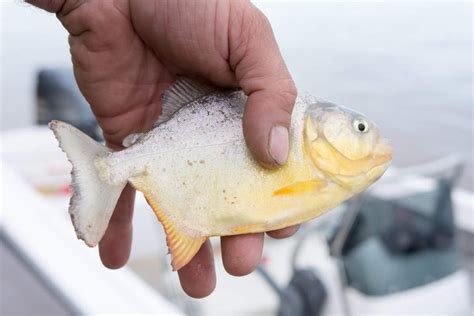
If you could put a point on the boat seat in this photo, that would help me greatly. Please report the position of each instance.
(374, 270)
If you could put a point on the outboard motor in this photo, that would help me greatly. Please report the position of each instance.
(59, 98)
(304, 295)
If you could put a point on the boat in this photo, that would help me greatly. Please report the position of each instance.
(403, 246)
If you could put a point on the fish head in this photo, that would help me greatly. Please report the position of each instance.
(345, 145)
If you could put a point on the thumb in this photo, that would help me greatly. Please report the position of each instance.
(262, 74)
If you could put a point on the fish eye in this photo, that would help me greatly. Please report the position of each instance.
(360, 125)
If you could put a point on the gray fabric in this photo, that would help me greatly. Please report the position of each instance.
(373, 270)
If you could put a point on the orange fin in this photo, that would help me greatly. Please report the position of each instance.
(301, 187)
(182, 245)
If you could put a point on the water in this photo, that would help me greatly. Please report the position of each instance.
(406, 65)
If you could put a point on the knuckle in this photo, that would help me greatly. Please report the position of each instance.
(286, 93)
(67, 7)
(260, 19)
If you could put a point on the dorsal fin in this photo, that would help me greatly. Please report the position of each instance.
(182, 92)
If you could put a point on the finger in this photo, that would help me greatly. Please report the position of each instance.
(57, 6)
(48, 5)
(262, 74)
(198, 277)
(241, 254)
(74, 22)
(284, 232)
(114, 248)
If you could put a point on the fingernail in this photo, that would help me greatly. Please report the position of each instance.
(278, 146)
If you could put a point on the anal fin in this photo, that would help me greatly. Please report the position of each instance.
(182, 245)
(301, 187)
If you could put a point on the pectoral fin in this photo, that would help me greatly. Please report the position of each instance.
(302, 187)
(181, 243)
(132, 139)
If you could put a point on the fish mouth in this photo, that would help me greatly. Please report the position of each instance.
(378, 163)
(383, 153)
(381, 160)
(349, 172)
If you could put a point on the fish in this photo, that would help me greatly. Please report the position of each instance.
(200, 179)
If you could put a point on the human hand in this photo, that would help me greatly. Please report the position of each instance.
(126, 53)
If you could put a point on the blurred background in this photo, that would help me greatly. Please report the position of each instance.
(403, 247)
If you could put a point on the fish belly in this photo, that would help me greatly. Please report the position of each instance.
(221, 190)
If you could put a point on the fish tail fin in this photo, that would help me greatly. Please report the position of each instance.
(93, 200)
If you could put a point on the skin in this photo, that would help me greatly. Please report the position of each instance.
(126, 53)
